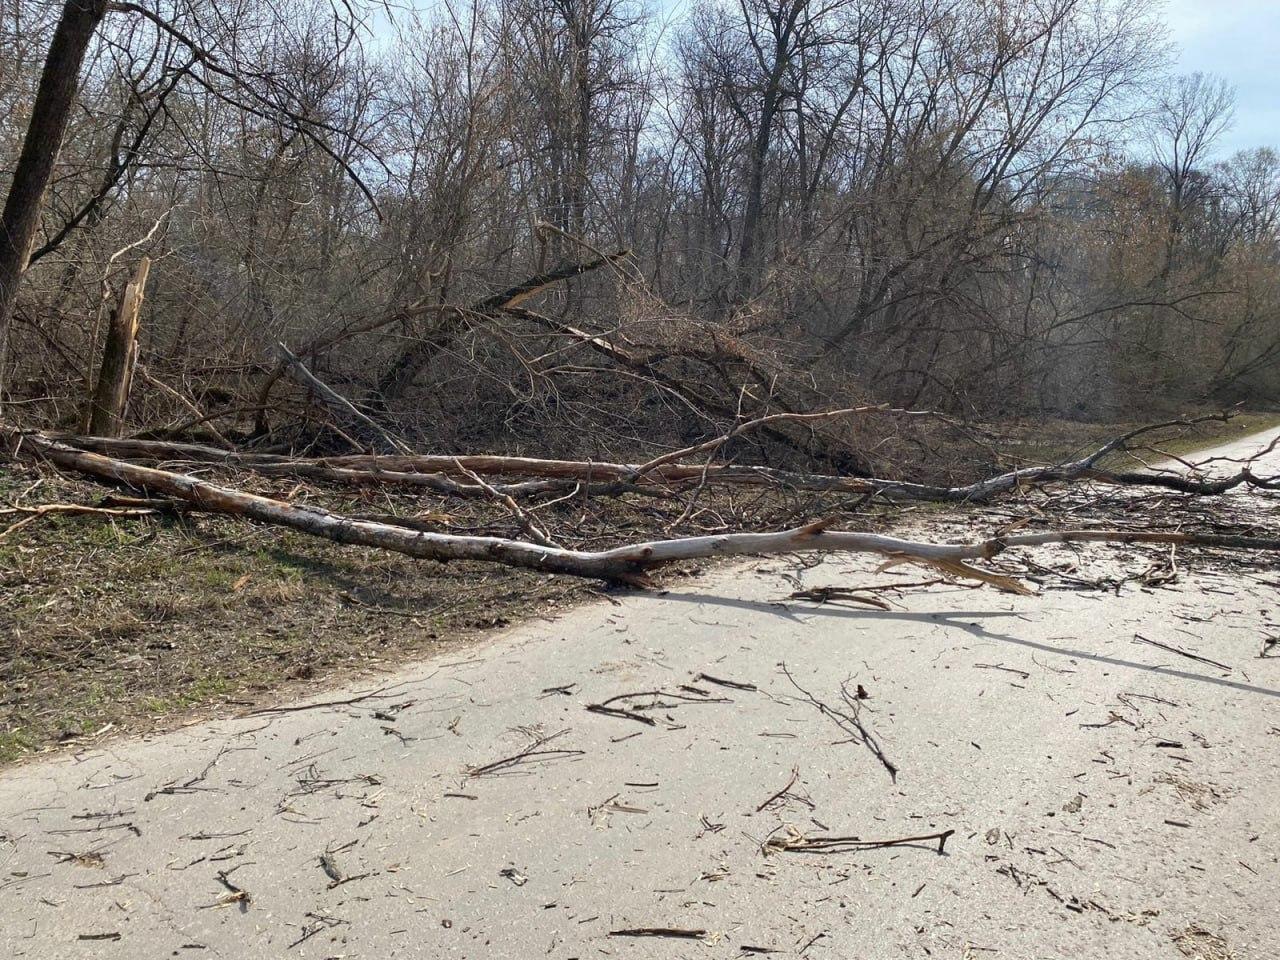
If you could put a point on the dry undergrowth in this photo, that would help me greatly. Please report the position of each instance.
(113, 626)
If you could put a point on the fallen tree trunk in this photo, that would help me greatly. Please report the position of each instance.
(626, 564)
(434, 471)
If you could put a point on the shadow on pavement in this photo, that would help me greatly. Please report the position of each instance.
(963, 620)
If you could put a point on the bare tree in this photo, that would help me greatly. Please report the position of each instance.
(55, 97)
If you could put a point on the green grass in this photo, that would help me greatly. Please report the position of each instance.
(14, 744)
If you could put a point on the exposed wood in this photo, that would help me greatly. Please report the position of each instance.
(110, 399)
(625, 564)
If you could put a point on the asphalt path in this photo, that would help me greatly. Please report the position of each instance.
(714, 771)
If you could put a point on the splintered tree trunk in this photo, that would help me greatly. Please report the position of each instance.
(119, 354)
(49, 113)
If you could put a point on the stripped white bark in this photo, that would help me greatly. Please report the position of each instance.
(434, 471)
(621, 564)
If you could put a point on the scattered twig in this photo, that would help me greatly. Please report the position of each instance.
(850, 723)
(718, 681)
(1182, 653)
(795, 775)
(660, 932)
(630, 712)
(999, 666)
(834, 594)
(620, 712)
(311, 929)
(345, 702)
(825, 844)
(530, 754)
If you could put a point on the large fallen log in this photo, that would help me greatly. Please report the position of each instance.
(625, 564)
(440, 472)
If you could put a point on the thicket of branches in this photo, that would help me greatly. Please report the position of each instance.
(982, 208)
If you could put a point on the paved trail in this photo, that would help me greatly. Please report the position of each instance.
(1108, 797)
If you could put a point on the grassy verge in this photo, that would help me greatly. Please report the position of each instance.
(123, 626)
(1052, 441)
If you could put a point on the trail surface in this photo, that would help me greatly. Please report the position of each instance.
(1102, 795)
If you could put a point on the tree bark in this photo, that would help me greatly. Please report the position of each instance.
(55, 95)
(119, 355)
(433, 471)
(625, 564)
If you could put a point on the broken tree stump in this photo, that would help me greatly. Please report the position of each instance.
(110, 398)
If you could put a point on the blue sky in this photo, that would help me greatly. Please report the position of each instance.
(1240, 41)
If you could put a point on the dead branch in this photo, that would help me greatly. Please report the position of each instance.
(432, 471)
(851, 722)
(795, 775)
(452, 322)
(852, 844)
(30, 515)
(714, 444)
(527, 523)
(674, 932)
(1139, 638)
(530, 754)
(625, 564)
(343, 408)
(684, 387)
(656, 701)
(198, 415)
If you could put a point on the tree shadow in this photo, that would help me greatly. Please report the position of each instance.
(966, 620)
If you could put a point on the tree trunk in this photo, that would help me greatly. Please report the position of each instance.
(49, 114)
(119, 354)
(624, 564)
(434, 471)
